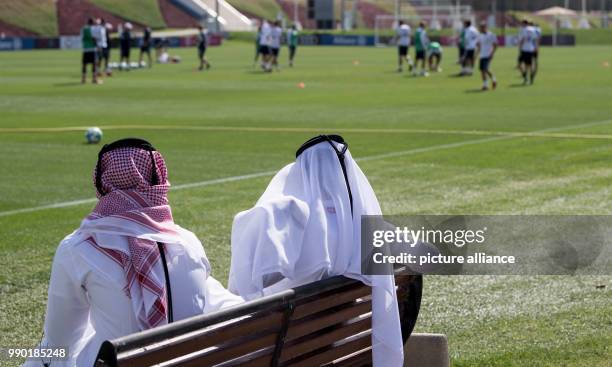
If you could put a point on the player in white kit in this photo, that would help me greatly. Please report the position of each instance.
(275, 43)
(486, 45)
(264, 46)
(471, 39)
(403, 44)
(528, 44)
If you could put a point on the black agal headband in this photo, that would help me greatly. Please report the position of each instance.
(331, 139)
(125, 143)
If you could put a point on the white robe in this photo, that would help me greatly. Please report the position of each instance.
(87, 303)
(302, 229)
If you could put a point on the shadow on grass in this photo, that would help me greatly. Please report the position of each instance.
(518, 85)
(476, 90)
(258, 72)
(69, 84)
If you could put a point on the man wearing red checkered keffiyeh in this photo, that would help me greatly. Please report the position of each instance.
(129, 196)
(107, 278)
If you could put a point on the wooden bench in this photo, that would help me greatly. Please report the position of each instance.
(322, 323)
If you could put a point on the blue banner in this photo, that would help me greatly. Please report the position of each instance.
(327, 39)
(9, 44)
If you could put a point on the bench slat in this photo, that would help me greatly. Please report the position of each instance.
(206, 358)
(307, 326)
(335, 352)
(200, 340)
(360, 359)
(334, 299)
(328, 338)
(264, 360)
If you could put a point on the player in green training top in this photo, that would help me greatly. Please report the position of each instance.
(434, 52)
(89, 51)
(421, 42)
(292, 42)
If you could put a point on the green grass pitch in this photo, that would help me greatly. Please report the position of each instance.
(431, 145)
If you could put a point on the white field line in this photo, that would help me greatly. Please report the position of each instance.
(479, 141)
(66, 204)
(540, 133)
(270, 173)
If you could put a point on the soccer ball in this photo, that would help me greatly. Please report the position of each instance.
(93, 135)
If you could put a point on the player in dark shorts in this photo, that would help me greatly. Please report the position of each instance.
(89, 52)
(145, 46)
(265, 43)
(526, 58)
(468, 56)
(486, 46)
(202, 45)
(421, 41)
(266, 54)
(470, 38)
(434, 50)
(420, 55)
(526, 65)
(276, 35)
(528, 43)
(125, 43)
(484, 64)
(402, 38)
(292, 42)
(266, 57)
(264, 50)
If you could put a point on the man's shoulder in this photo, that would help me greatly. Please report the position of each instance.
(71, 242)
(192, 245)
(189, 236)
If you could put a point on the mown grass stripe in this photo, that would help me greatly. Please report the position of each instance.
(547, 133)
(270, 173)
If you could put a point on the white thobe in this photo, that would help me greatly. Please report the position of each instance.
(87, 303)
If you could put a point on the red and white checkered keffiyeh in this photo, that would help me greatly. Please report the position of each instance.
(134, 208)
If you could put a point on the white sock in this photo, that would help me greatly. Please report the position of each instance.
(485, 84)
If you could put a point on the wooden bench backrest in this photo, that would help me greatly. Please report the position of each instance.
(326, 322)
